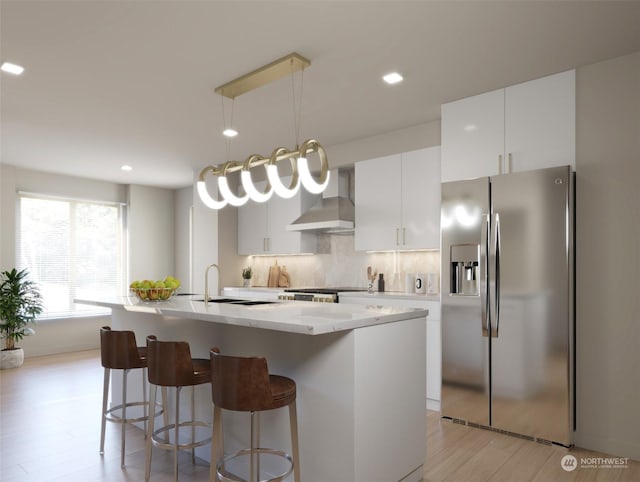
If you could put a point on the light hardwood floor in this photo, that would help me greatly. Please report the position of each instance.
(50, 428)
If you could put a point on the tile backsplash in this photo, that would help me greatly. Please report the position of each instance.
(343, 266)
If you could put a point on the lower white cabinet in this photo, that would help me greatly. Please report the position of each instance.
(434, 342)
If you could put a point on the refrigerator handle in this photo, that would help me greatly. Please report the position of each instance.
(495, 329)
(484, 273)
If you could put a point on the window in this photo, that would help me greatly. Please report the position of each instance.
(72, 249)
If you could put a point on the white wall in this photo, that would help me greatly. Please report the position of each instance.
(608, 263)
(205, 244)
(151, 238)
(182, 220)
(151, 232)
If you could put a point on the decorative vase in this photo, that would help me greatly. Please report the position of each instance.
(246, 282)
(11, 358)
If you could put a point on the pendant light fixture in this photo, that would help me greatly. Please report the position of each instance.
(300, 171)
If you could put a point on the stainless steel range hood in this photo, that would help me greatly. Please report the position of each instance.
(334, 213)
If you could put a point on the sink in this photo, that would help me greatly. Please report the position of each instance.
(221, 300)
(236, 301)
(252, 302)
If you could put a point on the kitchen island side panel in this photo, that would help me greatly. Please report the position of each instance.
(390, 383)
(339, 413)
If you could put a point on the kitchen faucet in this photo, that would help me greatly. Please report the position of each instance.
(206, 282)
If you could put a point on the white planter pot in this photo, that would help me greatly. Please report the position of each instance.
(11, 358)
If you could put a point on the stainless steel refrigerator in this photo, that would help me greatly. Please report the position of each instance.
(508, 303)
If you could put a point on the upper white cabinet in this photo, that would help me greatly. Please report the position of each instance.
(397, 201)
(523, 127)
(262, 226)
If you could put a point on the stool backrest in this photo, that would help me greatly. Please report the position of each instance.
(118, 349)
(239, 383)
(170, 363)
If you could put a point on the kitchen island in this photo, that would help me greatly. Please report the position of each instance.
(359, 370)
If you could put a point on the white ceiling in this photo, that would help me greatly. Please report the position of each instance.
(108, 83)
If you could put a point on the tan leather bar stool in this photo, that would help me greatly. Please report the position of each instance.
(119, 351)
(245, 385)
(171, 365)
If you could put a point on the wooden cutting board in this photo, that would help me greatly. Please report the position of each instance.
(274, 276)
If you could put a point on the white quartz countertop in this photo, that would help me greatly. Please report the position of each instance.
(287, 316)
(394, 295)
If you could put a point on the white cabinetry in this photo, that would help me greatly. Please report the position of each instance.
(397, 201)
(434, 342)
(523, 127)
(262, 226)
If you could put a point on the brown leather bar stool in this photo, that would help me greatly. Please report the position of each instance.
(119, 351)
(171, 365)
(244, 385)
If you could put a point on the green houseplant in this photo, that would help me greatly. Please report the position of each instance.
(20, 304)
(246, 276)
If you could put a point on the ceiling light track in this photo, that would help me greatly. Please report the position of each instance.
(263, 76)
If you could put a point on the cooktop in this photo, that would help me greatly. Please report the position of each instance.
(324, 291)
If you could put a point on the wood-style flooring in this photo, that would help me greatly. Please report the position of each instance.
(50, 429)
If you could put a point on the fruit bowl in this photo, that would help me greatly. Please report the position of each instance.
(153, 294)
(160, 290)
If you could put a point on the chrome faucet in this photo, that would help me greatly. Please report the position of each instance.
(206, 282)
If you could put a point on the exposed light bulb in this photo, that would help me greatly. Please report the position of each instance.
(208, 201)
(307, 179)
(225, 191)
(279, 188)
(230, 132)
(250, 188)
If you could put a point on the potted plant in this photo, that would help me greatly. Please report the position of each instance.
(246, 276)
(20, 304)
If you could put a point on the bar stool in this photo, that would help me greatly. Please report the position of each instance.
(119, 351)
(244, 385)
(171, 365)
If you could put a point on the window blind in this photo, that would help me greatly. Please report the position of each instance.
(72, 249)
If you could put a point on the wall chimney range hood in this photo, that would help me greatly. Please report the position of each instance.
(334, 213)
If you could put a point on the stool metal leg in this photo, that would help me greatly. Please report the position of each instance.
(105, 396)
(144, 399)
(216, 444)
(293, 421)
(257, 446)
(152, 402)
(123, 425)
(252, 445)
(193, 427)
(177, 440)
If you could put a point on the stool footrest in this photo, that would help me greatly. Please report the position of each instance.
(226, 476)
(157, 442)
(111, 417)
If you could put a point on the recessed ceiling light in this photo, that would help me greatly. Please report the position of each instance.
(392, 78)
(11, 68)
(230, 132)
(126, 168)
